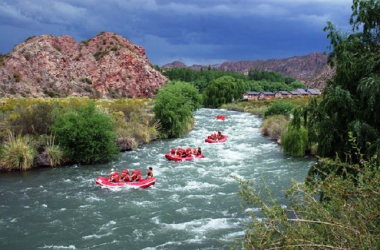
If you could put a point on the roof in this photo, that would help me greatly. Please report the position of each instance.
(284, 92)
(252, 93)
(302, 91)
(267, 93)
(293, 92)
(313, 91)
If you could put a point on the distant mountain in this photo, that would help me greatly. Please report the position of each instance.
(107, 65)
(311, 69)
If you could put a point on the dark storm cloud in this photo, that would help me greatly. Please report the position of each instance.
(192, 31)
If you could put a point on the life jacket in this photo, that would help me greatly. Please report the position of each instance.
(133, 176)
(115, 177)
(138, 175)
(195, 151)
(124, 173)
(172, 151)
(127, 178)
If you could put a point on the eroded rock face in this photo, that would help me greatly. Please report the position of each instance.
(107, 65)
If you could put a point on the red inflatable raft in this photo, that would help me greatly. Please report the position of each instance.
(174, 157)
(221, 117)
(223, 139)
(104, 182)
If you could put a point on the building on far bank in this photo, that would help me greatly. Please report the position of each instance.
(265, 95)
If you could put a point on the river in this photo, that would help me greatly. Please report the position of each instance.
(193, 205)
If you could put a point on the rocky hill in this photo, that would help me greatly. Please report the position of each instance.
(106, 66)
(311, 69)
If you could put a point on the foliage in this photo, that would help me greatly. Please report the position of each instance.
(53, 151)
(274, 126)
(221, 91)
(34, 119)
(294, 142)
(17, 153)
(347, 217)
(86, 134)
(349, 98)
(270, 76)
(132, 121)
(199, 78)
(174, 107)
(279, 107)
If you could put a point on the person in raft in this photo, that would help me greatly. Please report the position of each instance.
(199, 151)
(138, 175)
(219, 136)
(149, 173)
(125, 175)
(113, 176)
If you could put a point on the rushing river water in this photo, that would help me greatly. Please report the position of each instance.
(193, 205)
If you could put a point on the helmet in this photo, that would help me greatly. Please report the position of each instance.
(112, 169)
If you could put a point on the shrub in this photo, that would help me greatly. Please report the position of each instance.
(17, 76)
(174, 107)
(274, 126)
(86, 134)
(295, 142)
(17, 153)
(280, 108)
(34, 119)
(346, 218)
(55, 154)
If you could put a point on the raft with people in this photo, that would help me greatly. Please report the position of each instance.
(216, 138)
(134, 180)
(221, 117)
(182, 154)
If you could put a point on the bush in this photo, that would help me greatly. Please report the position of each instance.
(346, 218)
(17, 153)
(295, 142)
(174, 107)
(86, 134)
(31, 119)
(274, 126)
(279, 108)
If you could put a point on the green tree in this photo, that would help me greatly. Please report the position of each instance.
(174, 107)
(86, 134)
(221, 91)
(349, 100)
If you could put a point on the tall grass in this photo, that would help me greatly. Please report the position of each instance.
(274, 126)
(17, 153)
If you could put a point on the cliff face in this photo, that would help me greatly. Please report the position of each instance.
(106, 65)
(311, 69)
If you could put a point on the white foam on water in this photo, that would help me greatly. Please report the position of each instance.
(58, 247)
(107, 225)
(183, 210)
(204, 225)
(201, 196)
(140, 203)
(96, 236)
(164, 246)
(234, 235)
(93, 199)
(196, 185)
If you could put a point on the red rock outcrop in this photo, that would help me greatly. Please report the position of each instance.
(107, 65)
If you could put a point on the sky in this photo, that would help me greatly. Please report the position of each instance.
(204, 32)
